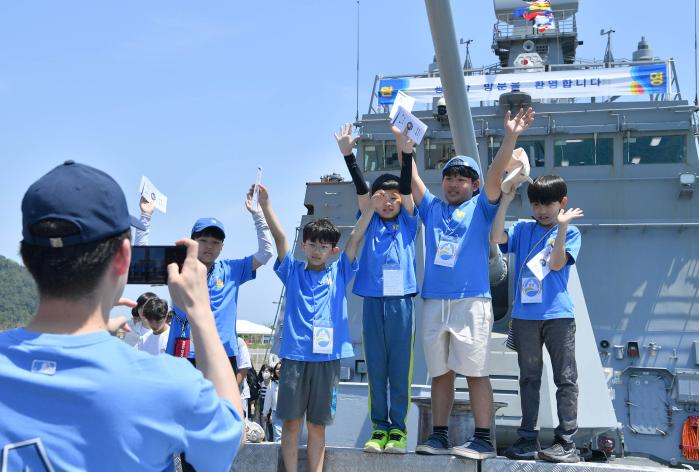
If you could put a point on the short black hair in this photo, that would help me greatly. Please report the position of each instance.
(460, 171)
(385, 182)
(155, 309)
(210, 232)
(70, 272)
(140, 301)
(274, 371)
(547, 189)
(322, 231)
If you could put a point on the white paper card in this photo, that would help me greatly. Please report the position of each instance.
(393, 281)
(409, 125)
(539, 264)
(322, 337)
(256, 192)
(152, 194)
(447, 251)
(401, 100)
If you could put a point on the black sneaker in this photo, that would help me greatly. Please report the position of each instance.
(558, 452)
(523, 450)
(435, 445)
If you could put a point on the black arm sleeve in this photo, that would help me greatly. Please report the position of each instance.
(357, 176)
(406, 175)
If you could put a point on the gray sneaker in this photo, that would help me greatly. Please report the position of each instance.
(435, 445)
(475, 448)
(560, 453)
(523, 450)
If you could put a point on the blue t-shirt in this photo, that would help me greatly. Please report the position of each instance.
(310, 296)
(525, 240)
(97, 403)
(469, 223)
(387, 242)
(224, 281)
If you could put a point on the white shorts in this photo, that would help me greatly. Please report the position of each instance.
(456, 335)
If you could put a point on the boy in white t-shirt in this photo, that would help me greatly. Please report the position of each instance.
(155, 312)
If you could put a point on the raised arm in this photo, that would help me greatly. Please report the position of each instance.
(346, 143)
(498, 235)
(360, 228)
(274, 226)
(559, 258)
(405, 147)
(264, 238)
(417, 185)
(141, 238)
(513, 128)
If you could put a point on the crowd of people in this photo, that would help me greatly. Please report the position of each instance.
(145, 408)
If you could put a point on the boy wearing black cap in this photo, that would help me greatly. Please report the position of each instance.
(386, 281)
(457, 313)
(76, 398)
(224, 278)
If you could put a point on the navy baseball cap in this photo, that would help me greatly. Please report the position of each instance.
(203, 223)
(462, 161)
(79, 194)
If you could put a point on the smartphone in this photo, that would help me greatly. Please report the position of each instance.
(149, 263)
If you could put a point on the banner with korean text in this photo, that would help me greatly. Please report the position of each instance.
(634, 80)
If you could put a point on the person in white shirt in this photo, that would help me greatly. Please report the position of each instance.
(155, 313)
(244, 364)
(269, 410)
(138, 324)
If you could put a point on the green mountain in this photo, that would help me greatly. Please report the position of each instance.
(18, 297)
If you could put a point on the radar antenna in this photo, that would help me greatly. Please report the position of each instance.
(608, 56)
(467, 62)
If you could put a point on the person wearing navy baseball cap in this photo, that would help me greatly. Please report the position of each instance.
(83, 398)
(456, 287)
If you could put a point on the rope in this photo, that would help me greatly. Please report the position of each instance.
(690, 438)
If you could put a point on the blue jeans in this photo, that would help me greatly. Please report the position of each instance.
(388, 334)
(558, 335)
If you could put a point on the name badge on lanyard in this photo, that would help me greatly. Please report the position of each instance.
(539, 264)
(322, 337)
(393, 281)
(447, 251)
(532, 290)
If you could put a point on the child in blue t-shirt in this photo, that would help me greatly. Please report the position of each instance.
(316, 333)
(543, 312)
(457, 316)
(386, 281)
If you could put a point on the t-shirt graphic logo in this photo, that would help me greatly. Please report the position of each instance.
(219, 283)
(531, 287)
(446, 251)
(459, 214)
(322, 337)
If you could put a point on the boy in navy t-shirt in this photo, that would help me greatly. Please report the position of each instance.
(457, 313)
(316, 333)
(386, 281)
(80, 399)
(543, 312)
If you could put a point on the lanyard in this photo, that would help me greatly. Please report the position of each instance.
(394, 240)
(326, 278)
(447, 218)
(184, 324)
(525, 260)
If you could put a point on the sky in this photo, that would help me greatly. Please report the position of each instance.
(197, 95)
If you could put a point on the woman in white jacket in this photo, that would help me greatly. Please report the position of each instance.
(270, 406)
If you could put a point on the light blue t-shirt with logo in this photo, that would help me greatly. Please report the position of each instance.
(224, 282)
(525, 240)
(469, 225)
(96, 403)
(315, 296)
(387, 243)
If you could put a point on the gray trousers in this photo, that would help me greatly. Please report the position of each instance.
(558, 335)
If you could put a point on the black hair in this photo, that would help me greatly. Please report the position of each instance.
(547, 189)
(70, 272)
(155, 309)
(264, 367)
(321, 231)
(460, 171)
(274, 371)
(142, 299)
(385, 182)
(210, 232)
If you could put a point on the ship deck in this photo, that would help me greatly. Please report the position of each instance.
(266, 457)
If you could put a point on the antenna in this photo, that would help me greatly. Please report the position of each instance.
(467, 62)
(608, 56)
(356, 114)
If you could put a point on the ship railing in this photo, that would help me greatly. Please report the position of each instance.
(496, 68)
(515, 27)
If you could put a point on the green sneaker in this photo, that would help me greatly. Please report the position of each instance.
(397, 442)
(377, 442)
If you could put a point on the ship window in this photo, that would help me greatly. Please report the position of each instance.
(583, 151)
(534, 149)
(658, 149)
(437, 153)
(380, 155)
